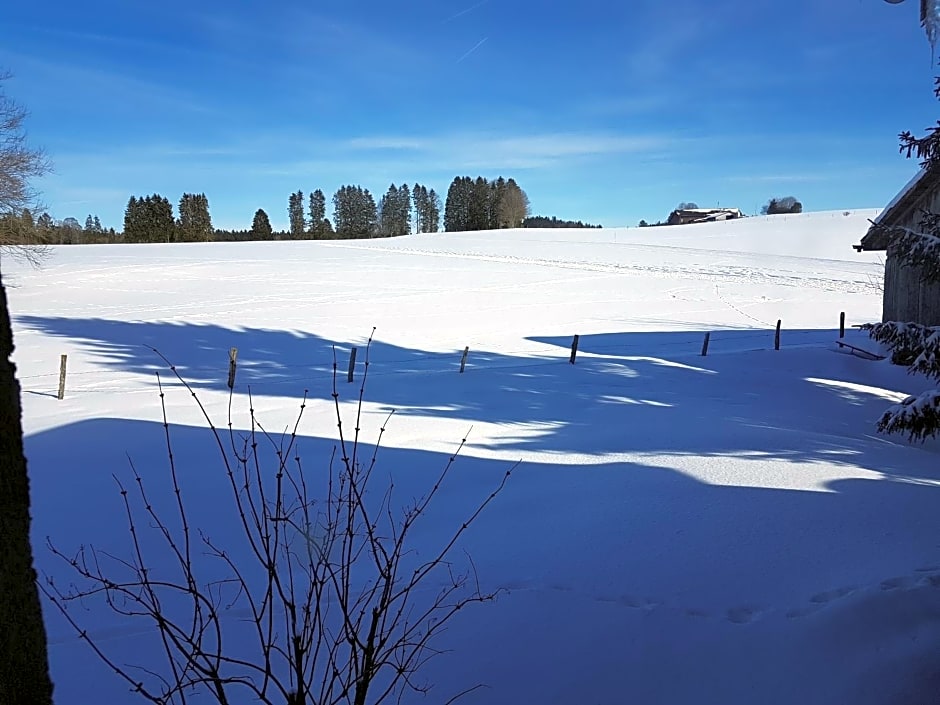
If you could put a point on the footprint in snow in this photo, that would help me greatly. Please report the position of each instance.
(804, 611)
(895, 583)
(929, 581)
(743, 615)
(514, 585)
(636, 603)
(639, 603)
(823, 598)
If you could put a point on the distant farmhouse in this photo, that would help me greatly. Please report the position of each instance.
(907, 297)
(684, 216)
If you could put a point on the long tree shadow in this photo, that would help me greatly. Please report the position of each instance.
(606, 550)
(641, 393)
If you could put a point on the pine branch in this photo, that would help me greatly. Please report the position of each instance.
(918, 417)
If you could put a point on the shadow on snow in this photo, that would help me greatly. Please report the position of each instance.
(627, 393)
(622, 533)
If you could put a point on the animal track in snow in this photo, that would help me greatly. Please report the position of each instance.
(823, 598)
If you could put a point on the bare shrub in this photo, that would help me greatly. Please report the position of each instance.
(19, 165)
(339, 607)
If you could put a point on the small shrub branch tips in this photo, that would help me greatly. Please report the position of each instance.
(317, 597)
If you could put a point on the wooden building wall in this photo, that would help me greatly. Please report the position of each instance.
(907, 297)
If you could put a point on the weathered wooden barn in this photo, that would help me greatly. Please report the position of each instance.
(907, 297)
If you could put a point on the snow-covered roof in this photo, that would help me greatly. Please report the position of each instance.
(877, 237)
(908, 187)
(707, 210)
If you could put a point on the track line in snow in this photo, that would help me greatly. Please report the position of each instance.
(747, 613)
(726, 273)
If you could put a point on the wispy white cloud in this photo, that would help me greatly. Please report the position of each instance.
(781, 178)
(472, 49)
(75, 38)
(826, 174)
(465, 11)
(369, 154)
(636, 104)
(301, 34)
(465, 150)
(69, 197)
(672, 31)
(72, 80)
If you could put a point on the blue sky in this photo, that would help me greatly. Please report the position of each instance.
(603, 111)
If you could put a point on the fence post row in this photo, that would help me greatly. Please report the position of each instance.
(233, 356)
(62, 364)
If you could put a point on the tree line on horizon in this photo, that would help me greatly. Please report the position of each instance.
(471, 204)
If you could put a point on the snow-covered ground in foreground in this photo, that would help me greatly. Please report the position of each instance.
(683, 529)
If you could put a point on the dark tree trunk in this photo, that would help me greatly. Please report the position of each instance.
(24, 664)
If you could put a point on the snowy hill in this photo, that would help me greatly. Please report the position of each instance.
(683, 529)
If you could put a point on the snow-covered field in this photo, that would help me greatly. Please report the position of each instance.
(683, 529)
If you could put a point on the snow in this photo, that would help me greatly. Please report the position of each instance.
(682, 529)
(901, 194)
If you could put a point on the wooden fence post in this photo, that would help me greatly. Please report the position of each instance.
(62, 364)
(777, 336)
(708, 336)
(232, 363)
(463, 358)
(574, 348)
(842, 324)
(352, 364)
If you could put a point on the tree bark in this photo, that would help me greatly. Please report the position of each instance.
(24, 663)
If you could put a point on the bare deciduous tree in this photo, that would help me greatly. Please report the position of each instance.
(19, 165)
(340, 607)
(514, 206)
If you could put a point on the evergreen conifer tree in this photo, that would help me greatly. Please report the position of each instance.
(403, 210)
(295, 213)
(457, 205)
(195, 223)
(388, 212)
(261, 226)
(317, 213)
(433, 206)
(355, 214)
(133, 223)
(479, 205)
